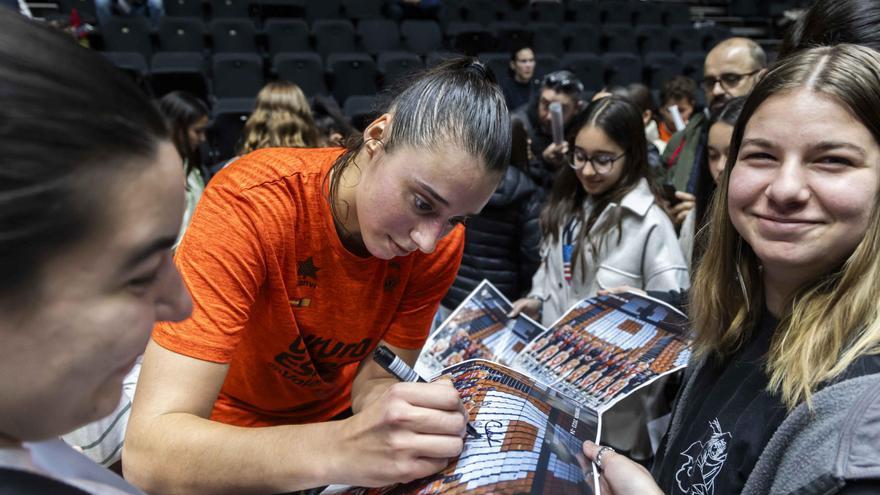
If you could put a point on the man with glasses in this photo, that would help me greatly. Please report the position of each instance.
(732, 68)
(561, 86)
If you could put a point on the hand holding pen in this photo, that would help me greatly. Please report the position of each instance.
(400, 370)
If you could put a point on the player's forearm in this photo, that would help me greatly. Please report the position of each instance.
(183, 453)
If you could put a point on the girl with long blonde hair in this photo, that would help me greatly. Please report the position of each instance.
(282, 119)
(783, 393)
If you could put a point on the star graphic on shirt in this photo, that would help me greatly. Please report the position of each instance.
(307, 268)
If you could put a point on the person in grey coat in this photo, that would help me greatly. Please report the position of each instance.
(783, 393)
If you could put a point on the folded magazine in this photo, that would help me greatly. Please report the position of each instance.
(535, 394)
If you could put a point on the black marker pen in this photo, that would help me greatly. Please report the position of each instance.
(400, 370)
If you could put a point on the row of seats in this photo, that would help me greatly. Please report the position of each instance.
(348, 74)
(481, 11)
(189, 34)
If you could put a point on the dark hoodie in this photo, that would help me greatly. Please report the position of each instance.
(502, 242)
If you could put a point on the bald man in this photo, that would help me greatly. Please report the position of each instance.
(732, 68)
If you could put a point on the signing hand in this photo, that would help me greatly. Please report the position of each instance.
(410, 432)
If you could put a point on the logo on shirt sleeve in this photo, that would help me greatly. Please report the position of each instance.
(703, 461)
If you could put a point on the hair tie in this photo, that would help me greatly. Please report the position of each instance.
(477, 67)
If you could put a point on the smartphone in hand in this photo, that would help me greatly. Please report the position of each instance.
(669, 194)
(556, 122)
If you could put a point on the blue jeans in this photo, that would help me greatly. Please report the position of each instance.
(152, 9)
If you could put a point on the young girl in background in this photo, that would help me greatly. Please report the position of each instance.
(188, 118)
(604, 227)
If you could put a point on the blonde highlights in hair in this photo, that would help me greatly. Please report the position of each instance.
(282, 118)
(831, 321)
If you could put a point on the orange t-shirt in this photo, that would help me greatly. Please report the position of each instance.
(277, 296)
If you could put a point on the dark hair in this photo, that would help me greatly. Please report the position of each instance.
(518, 48)
(564, 81)
(641, 96)
(329, 118)
(455, 103)
(69, 121)
(622, 122)
(705, 184)
(519, 145)
(181, 110)
(679, 87)
(829, 22)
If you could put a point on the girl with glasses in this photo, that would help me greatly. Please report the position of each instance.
(603, 226)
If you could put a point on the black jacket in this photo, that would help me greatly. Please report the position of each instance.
(502, 242)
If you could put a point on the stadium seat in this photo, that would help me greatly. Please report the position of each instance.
(582, 37)
(352, 74)
(584, 11)
(333, 35)
(692, 64)
(545, 63)
(394, 66)
(361, 110)
(622, 68)
(548, 12)
(421, 36)
(323, 9)
(653, 38)
(480, 11)
(518, 13)
(286, 35)
(619, 38)
(615, 12)
(509, 35)
(377, 35)
(228, 117)
(133, 64)
(306, 69)
(363, 9)
(588, 67)
(649, 12)
(547, 38)
(470, 38)
(183, 8)
(183, 71)
(233, 35)
(685, 39)
(237, 75)
(676, 14)
(660, 67)
(181, 34)
(229, 8)
(128, 34)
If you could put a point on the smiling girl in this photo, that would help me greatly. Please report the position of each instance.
(783, 392)
(301, 262)
(603, 225)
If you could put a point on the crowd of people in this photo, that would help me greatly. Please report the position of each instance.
(211, 324)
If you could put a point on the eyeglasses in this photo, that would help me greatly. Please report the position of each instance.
(601, 163)
(728, 80)
(563, 80)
